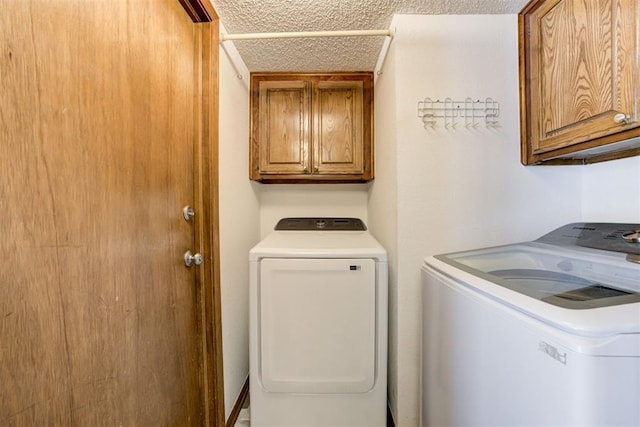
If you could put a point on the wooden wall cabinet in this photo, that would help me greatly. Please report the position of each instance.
(579, 80)
(311, 127)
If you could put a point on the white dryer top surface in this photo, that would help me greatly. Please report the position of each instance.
(318, 244)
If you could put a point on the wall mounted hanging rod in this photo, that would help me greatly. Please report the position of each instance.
(301, 34)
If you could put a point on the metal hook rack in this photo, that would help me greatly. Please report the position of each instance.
(474, 112)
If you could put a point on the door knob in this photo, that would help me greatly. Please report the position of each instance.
(188, 213)
(191, 259)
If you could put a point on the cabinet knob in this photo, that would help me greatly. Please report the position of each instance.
(622, 118)
(305, 169)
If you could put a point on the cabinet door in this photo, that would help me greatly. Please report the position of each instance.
(338, 128)
(283, 124)
(311, 127)
(581, 72)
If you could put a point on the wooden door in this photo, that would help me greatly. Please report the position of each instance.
(101, 142)
(581, 71)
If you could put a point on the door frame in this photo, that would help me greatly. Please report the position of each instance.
(206, 205)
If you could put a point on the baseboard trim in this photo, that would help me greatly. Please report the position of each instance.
(235, 411)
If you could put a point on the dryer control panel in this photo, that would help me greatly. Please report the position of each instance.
(326, 224)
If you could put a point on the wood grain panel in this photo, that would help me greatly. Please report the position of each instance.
(97, 139)
(577, 59)
(338, 139)
(311, 127)
(579, 70)
(209, 314)
(284, 127)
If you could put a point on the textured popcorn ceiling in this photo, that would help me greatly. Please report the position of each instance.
(330, 53)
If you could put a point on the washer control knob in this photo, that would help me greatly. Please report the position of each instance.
(632, 236)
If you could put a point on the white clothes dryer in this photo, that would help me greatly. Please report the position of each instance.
(318, 325)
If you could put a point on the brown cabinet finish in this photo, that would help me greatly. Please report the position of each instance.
(579, 80)
(311, 127)
(339, 140)
(283, 127)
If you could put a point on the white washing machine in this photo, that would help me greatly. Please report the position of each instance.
(318, 325)
(543, 333)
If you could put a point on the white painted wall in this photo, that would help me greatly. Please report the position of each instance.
(611, 191)
(239, 228)
(299, 200)
(452, 189)
(383, 202)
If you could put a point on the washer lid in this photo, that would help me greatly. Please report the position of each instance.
(566, 278)
(562, 289)
(583, 291)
